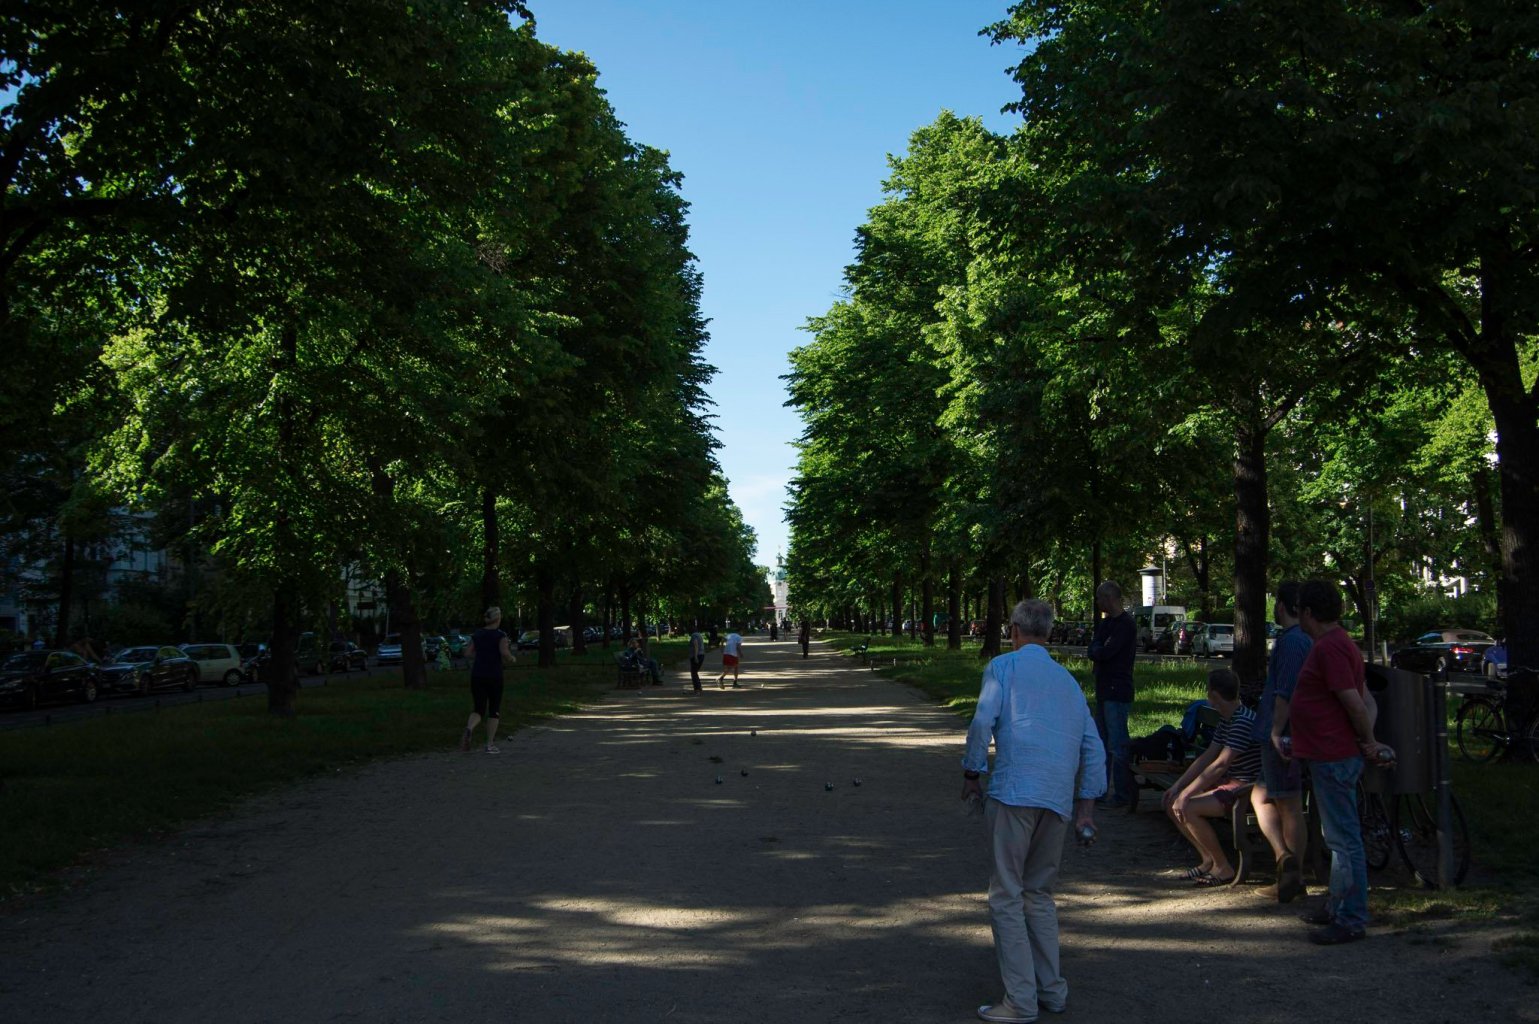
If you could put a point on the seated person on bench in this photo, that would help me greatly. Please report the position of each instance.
(634, 659)
(1214, 782)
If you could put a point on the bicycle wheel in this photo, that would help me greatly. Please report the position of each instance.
(1378, 837)
(1414, 824)
(1531, 740)
(1480, 730)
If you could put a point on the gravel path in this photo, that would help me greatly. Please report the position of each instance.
(596, 871)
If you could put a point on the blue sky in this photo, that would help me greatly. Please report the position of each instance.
(781, 117)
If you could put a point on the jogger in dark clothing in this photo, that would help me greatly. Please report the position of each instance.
(488, 652)
(805, 637)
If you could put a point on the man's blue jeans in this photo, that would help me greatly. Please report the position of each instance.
(1335, 788)
(1114, 734)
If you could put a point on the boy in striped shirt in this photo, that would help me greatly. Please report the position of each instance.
(1210, 787)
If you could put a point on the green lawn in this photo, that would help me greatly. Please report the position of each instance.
(67, 790)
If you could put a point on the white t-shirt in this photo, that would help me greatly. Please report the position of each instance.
(733, 643)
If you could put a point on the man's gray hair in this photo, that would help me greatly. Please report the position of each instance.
(1032, 618)
(1111, 587)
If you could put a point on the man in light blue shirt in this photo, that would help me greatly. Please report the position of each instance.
(1048, 763)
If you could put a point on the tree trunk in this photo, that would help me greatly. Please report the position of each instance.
(491, 583)
(278, 673)
(625, 612)
(954, 609)
(403, 617)
(1490, 535)
(1198, 561)
(609, 612)
(1517, 453)
(927, 599)
(1252, 531)
(66, 590)
(1095, 577)
(897, 605)
(575, 617)
(546, 582)
(995, 619)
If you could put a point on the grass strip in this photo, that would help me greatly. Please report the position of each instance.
(67, 791)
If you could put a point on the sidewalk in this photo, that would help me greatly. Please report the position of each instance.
(596, 871)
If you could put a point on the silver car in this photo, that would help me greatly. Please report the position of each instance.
(1215, 641)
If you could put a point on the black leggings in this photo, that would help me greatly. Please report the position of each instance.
(487, 693)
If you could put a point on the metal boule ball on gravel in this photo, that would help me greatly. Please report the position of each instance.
(828, 787)
(744, 773)
(718, 780)
(857, 782)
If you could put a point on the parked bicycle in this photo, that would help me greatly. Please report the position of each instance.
(1491, 721)
(1407, 825)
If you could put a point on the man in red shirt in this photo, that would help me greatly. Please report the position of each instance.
(1332, 716)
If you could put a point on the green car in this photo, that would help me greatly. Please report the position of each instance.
(456, 642)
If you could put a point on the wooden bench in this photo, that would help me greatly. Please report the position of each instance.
(862, 651)
(1244, 831)
(630, 678)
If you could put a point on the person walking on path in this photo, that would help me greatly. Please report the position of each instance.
(1112, 647)
(731, 654)
(1278, 798)
(696, 657)
(805, 637)
(1332, 716)
(488, 652)
(1048, 762)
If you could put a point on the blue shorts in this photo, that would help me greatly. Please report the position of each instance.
(1281, 778)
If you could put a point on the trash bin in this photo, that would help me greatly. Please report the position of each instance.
(1403, 698)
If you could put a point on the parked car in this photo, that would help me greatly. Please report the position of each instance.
(1493, 664)
(431, 646)
(143, 670)
(345, 656)
(217, 663)
(1440, 650)
(32, 677)
(1153, 621)
(389, 650)
(1215, 640)
(1184, 634)
(457, 643)
(593, 634)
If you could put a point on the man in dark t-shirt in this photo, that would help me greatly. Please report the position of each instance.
(1111, 651)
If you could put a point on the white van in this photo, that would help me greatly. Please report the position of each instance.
(1153, 620)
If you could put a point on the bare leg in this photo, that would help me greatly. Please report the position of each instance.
(1295, 834)
(1201, 833)
(491, 729)
(1206, 863)
(1270, 818)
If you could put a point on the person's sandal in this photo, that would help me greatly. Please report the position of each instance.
(1210, 881)
(1192, 874)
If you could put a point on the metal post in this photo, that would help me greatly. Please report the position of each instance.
(1438, 718)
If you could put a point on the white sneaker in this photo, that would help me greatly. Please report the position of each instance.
(491, 749)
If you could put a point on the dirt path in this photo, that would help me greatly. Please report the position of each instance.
(596, 871)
